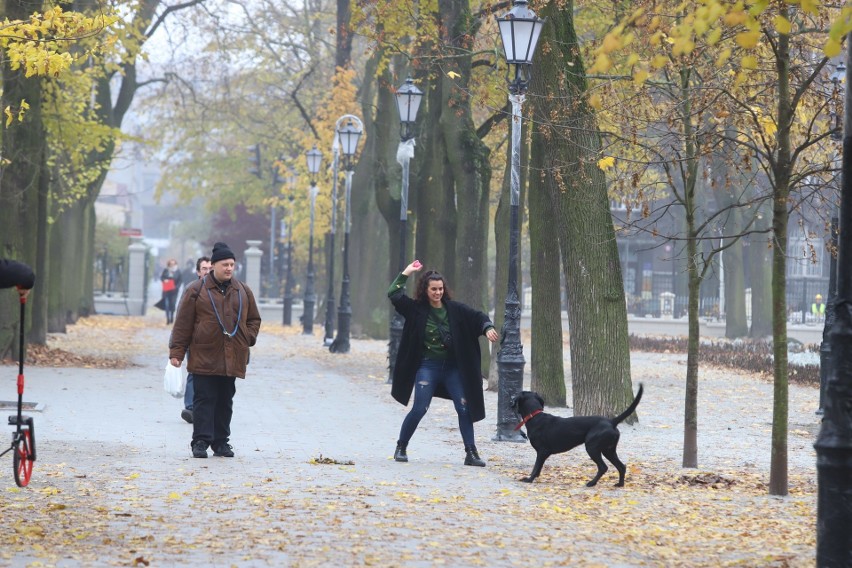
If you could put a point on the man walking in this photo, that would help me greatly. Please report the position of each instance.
(202, 267)
(217, 322)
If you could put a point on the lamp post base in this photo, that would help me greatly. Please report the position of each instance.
(288, 311)
(341, 342)
(308, 316)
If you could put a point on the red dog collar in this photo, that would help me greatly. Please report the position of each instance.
(528, 418)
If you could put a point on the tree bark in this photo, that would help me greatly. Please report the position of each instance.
(597, 314)
(24, 149)
(780, 216)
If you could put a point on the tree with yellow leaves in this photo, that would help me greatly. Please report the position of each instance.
(749, 82)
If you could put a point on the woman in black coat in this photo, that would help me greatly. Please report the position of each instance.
(439, 353)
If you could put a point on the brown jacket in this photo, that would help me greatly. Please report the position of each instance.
(197, 329)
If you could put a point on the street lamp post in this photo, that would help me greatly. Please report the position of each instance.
(834, 442)
(314, 158)
(520, 29)
(328, 338)
(408, 98)
(348, 134)
(825, 344)
(287, 313)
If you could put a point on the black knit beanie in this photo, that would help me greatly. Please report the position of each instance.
(221, 252)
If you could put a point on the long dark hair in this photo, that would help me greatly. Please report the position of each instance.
(423, 284)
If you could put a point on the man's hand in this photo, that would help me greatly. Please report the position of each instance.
(492, 335)
(175, 362)
(24, 292)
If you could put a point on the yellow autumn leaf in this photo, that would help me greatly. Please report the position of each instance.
(174, 495)
(602, 63)
(810, 6)
(611, 43)
(659, 61)
(723, 57)
(749, 62)
(732, 19)
(714, 36)
(640, 76)
(453, 75)
(783, 25)
(832, 48)
(683, 46)
(606, 162)
(747, 40)
(632, 59)
(768, 125)
(595, 102)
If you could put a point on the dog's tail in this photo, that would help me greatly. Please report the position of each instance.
(630, 409)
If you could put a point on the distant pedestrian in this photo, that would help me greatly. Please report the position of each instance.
(16, 274)
(217, 322)
(171, 280)
(202, 267)
(439, 355)
(818, 308)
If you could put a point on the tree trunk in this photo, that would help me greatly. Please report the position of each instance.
(501, 261)
(782, 170)
(23, 148)
(546, 347)
(370, 238)
(694, 274)
(597, 314)
(760, 261)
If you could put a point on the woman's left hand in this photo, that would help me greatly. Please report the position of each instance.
(492, 335)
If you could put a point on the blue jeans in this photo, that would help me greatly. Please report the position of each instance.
(188, 393)
(432, 373)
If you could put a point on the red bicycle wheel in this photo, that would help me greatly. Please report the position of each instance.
(22, 459)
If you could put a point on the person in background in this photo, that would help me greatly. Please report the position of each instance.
(218, 321)
(202, 267)
(170, 280)
(16, 274)
(439, 355)
(818, 308)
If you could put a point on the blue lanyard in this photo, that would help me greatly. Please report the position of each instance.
(215, 311)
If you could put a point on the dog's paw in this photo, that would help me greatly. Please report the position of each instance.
(591, 484)
(527, 479)
(620, 484)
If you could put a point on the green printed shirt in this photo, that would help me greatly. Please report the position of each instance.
(432, 346)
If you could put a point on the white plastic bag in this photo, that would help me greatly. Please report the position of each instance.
(174, 380)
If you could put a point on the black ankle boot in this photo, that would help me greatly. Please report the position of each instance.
(400, 455)
(472, 457)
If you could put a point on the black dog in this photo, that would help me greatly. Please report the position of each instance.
(550, 434)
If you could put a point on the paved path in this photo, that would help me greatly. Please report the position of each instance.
(115, 483)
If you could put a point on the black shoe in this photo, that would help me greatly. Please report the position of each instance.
(400, 455)
(472, 457)
(199, 449)
(186, 414)
(223, 451)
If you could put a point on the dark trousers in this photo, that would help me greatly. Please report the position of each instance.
(212, 408)
(431, 374)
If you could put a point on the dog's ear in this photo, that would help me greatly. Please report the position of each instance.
(539, 399)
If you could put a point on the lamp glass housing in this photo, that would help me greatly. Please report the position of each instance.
(520, 29)
(314, 158)
(408, 98)
(349, 134)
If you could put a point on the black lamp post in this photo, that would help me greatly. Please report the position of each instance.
(520, 29)
(287, 314)
(825, 345)
(834, 442)
(408, 98)
(348, 135)
(314, 158)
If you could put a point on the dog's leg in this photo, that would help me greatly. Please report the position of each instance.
(595, 454)
(540, 458)
(612, 456)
